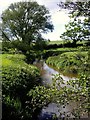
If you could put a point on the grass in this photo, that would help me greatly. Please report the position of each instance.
(56, 42)
(65, 49)
(17, 62)
(12, 60)
(68, 62)
(58, 51)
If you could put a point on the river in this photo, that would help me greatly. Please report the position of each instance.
(47, 75)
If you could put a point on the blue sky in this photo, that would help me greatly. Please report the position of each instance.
(58, 18)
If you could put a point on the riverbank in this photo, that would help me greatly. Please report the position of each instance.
(23, 96)
(69, 62)
(66, 101)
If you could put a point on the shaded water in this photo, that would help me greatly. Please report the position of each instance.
(47, 75)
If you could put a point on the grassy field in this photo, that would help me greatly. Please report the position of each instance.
(56, 42)
(64, 41)
(12, 60)
(58, 51)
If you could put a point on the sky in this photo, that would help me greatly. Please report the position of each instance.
(58, 18)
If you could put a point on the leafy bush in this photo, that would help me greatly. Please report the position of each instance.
(18, 78)
(63, 94)
(41, 96)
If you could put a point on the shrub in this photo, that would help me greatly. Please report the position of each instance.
(18, 78)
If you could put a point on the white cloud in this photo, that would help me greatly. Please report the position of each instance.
(59, 17)
(55, 35)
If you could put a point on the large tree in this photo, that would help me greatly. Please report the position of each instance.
(26, 21)
(77, 30)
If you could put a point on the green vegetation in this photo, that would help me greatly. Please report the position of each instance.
(23, 96)
(18, 78)
(68, 62)
(77, 94)
(77, 29)
(56, 42)
(24, 22)
(57, 51)
(12, 60)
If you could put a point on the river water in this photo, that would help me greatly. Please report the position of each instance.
(47, 75)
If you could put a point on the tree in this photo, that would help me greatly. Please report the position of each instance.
(73, 32)
(77, 29)
(26, 21)
(76, 8)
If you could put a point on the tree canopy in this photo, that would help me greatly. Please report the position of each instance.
(79, 27)
(76, 8)
(25, 21)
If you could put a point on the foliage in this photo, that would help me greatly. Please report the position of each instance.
(23, 24)
(41, 96)
(74, 91)
(79, 28)
(17, 87)
(25, 21)
(76, 8)
(57, 51)
(64, 94)
(68, 62)
(18, 78)
(67, 43)
(31, 52)
(12, 47)
(73, 32)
